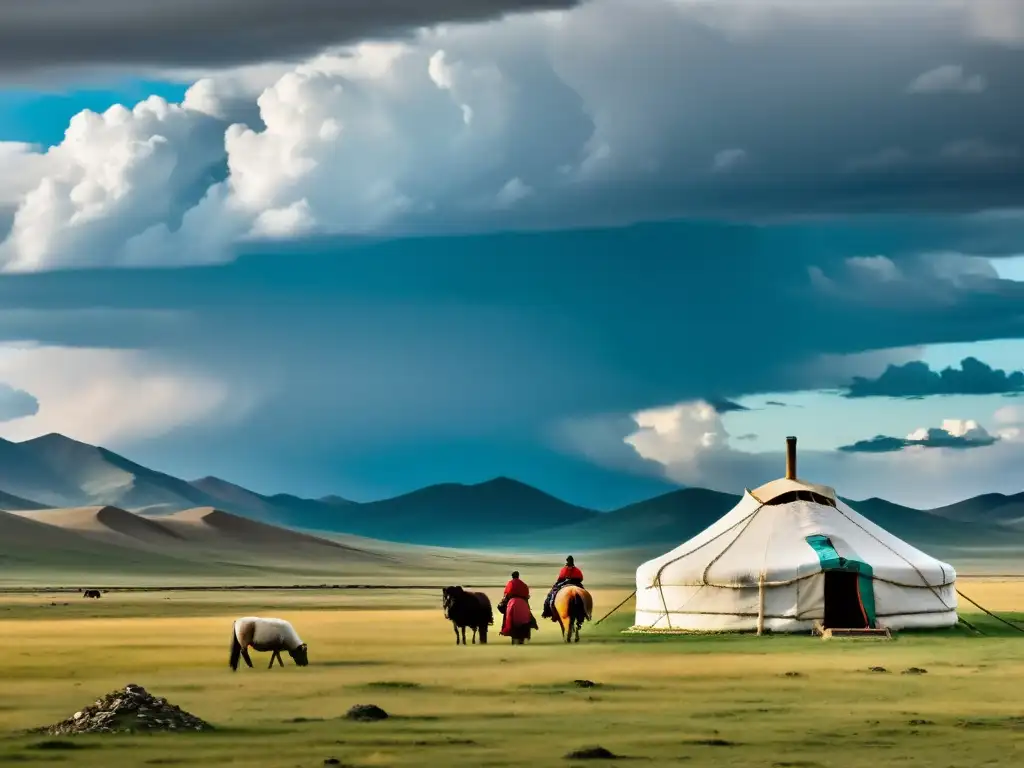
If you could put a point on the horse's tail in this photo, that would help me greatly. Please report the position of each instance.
(577, 608)
(236, 649)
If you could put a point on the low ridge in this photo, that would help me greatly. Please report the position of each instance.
(9, 501)
(32, 544)
(107, 519)
(242, 530)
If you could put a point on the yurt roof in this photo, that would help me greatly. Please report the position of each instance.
(772, 490)
(791, 484)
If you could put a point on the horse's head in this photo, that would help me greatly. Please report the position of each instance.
(448, 597)
(300, 655)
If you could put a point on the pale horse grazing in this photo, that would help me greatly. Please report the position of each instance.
(263, 635)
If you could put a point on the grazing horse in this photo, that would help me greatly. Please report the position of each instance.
(467, 609)
(273, 635)
(572, 606)
(91, 593)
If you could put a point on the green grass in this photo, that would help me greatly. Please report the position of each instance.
(694, 700)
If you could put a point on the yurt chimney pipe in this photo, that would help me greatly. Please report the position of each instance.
(791, 458)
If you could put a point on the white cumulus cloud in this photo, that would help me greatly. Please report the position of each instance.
(530, 121)
(967, 430)
(112, 397)
(693, 447)
(115, 175)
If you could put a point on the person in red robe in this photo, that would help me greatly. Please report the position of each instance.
(516, 587)
(515, 604)
(569, 574)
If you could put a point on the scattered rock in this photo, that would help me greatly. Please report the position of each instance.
(592, 753)
(713, 743)
(585, 683)
(366, 713)
(794, 674)
(128, 710)
(921, 722)
(915, 671)
(877, 669)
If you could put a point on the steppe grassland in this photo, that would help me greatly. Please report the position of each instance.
(709, 700)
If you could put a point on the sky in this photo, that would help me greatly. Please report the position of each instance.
(608, 247)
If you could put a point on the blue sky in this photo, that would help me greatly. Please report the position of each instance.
(376, 253)
(826, 420)
(38, 116)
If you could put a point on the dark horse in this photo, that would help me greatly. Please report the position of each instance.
(94, 593)
(467, 609)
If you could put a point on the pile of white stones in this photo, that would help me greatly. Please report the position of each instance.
(129, 710)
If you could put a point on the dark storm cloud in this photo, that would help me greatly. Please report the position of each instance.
(549, 324)
(599, 147)
(721, 405)
(16, 403)
(47, 34)
(368, 351)
(936, 438)
(916, 380)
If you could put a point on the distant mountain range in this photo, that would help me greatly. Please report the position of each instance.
(54, 471)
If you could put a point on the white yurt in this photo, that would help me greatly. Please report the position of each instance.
(788, 556)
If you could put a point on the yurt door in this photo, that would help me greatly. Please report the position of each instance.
(849, 598)
(843, 609)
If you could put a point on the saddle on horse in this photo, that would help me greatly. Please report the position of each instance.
(549, 601)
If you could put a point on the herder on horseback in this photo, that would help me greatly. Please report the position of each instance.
(569, 574)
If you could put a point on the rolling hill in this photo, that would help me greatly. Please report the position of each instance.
(279, 509)
(988, 508)
(30, 546)
(457, 515)
(90, 546)
(60, 472)
(924, 528)
(676, 516)
(23, 476)
(10, 501)
(668, 519)
(94, 488)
